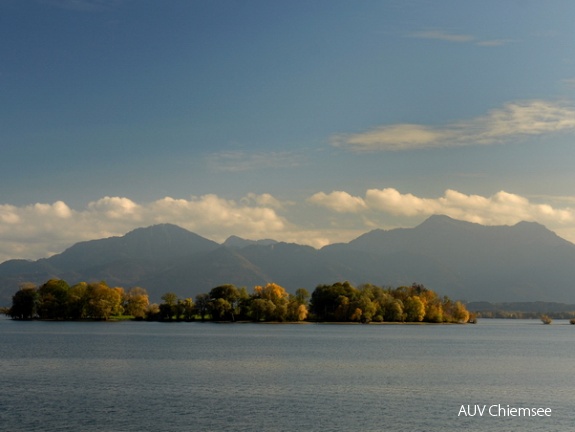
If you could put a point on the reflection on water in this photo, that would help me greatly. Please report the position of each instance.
(245, 377)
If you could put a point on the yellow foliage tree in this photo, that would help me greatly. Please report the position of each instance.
(137, 302)
(277, 296)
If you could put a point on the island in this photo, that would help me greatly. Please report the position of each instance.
(338, 302)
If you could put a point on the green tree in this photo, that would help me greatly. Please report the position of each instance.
(153, 312)
(365, 309)
(170, 298)
(302, 296)
(221, 308)
(168, 308)
(343, 311)
(262, 309)
(24, 303)
(325, 299)
(53, 299)
(202, 305)
(243, 303)
(225, 301)
(394, 311)
(77, 301)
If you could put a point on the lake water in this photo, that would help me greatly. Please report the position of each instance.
(139, 376)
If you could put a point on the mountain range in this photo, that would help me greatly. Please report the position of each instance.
(466, 261)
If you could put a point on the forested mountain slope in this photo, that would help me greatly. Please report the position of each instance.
(524, 262)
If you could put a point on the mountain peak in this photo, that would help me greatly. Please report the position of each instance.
(156, 242)
(158, 229)
(523, 262)
(441, 220)
(235, 242)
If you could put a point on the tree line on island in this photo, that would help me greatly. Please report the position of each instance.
(339, 302)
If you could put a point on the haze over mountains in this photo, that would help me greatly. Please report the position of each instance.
(466, 261)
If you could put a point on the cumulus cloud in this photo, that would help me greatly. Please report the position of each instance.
(40, 230)
(265, 200)
(502, 208)
(116, 208)
(514, 120)
(216, 217)
(339, 201)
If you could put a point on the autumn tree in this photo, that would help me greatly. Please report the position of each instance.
(277, 296)
(137, 302)
(188, 309)
(414, 309)
(103, 301)
(458, 313)
(434, 312)
(296, 311)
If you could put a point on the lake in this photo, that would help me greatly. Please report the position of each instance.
(147, 376)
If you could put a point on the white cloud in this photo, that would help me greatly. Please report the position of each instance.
(264, 200)
(339, 201)
(502, 208)
(116, 208)
(216, 217)
(512, 121)
(40, 230)
(393, 137)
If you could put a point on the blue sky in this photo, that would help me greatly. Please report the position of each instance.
(306, 121)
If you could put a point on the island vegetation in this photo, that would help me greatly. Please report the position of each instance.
(338, 302)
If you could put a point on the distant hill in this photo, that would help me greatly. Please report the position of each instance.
(236, 242)
(524, 262)
(521, 263)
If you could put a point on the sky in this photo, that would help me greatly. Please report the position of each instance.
(302, 121)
